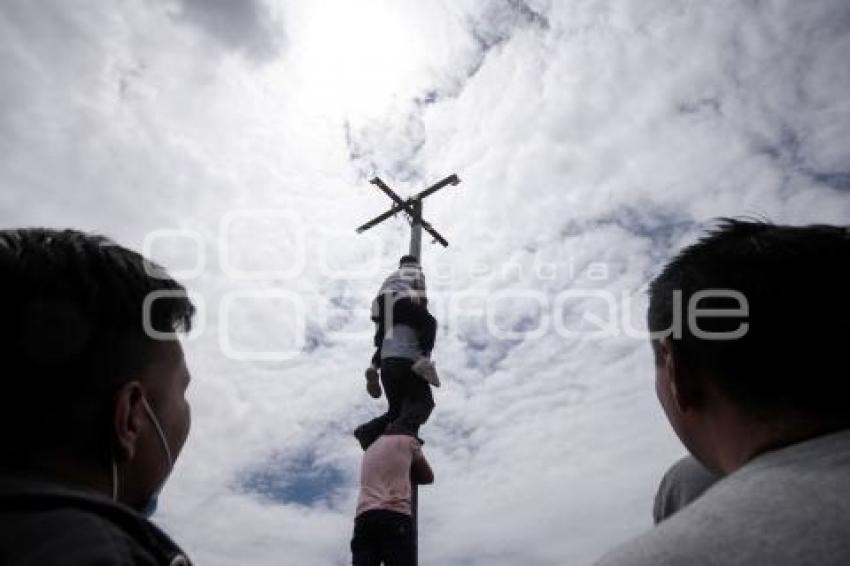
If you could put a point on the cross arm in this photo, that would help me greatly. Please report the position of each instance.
(450, 180)
(408, 208)
(399, 206)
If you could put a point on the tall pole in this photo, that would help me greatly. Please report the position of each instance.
(413, 207)
(416, 231)
(416, 251)
(414, 512)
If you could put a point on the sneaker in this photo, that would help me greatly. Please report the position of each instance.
(373, 385)
(425, 369)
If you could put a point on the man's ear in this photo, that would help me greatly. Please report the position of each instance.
(128, 419)
(684, 385)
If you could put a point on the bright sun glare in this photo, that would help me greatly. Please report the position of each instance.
(358, 56)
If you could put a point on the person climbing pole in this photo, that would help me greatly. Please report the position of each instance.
(402, 299)
(404, 338)
(384, 529)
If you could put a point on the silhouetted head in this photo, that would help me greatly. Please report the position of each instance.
(93, 373)
(408, 261)
(776, 346)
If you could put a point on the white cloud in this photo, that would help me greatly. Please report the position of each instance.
(585, 131)
(245, 25)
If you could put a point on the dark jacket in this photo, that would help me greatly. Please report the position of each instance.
(46, 524)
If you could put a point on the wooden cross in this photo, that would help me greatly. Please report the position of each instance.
(413, 207)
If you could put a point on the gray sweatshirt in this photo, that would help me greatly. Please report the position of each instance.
(788, 507)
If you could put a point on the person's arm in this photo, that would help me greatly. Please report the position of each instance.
(420, 469)
(378, 340)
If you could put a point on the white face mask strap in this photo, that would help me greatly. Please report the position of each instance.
(162, 439)
(159, 431)
(114, 480)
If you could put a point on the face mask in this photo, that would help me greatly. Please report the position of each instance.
(148, 508)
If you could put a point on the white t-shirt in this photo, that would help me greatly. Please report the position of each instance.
(400, 341)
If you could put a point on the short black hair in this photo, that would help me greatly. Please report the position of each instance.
(407, 259)
(796, 280)
(72, 329)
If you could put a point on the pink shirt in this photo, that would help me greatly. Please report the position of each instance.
(385, 474)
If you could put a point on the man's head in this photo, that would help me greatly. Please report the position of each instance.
(408, 261)
(85, 385)
(790, 364)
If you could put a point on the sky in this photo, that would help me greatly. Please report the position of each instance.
(233, 142)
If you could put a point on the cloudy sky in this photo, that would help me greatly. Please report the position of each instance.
(234, 140)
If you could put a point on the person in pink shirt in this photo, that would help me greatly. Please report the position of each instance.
(383, 527)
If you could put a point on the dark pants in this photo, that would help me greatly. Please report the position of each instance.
(404, 311)
(410, 402)
(383, 537)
